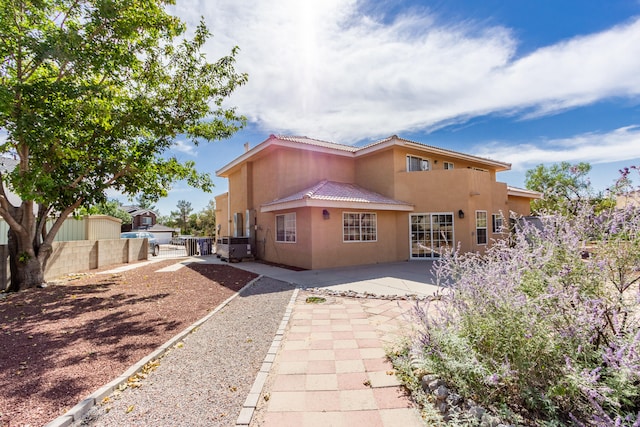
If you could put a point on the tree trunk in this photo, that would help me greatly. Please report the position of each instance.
(27, 271)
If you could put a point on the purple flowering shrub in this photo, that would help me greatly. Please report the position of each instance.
(545, 325)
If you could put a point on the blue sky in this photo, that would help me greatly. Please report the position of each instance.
(526, 82)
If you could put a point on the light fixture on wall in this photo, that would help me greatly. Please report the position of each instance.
(460, 214)
(325, 214)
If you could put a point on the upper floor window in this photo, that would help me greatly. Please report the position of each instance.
(146, 220)
(359, 227)
(286, 228)
(448, 165)
(417, 164)
(481, 227)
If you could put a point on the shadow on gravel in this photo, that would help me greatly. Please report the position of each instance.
(61, 343)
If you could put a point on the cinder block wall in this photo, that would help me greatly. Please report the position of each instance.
(70, 257)
(82, 255)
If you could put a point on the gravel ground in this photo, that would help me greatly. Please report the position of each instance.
(205, 381)
(61, 343)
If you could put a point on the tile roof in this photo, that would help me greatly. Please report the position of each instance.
(349, 150)
(339, 192)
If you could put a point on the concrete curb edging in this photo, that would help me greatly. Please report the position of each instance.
(250, 404)
(78, 411)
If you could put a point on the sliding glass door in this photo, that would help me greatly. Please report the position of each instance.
(430, 234)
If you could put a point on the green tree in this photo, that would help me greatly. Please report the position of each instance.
(181, 215)
(92, 95)
(564, 187)
(109, 207)
(145, 202)
(166, 220)
(208, 219)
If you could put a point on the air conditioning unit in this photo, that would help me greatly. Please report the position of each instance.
(424, 165)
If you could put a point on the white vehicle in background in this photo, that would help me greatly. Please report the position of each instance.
(154, 246)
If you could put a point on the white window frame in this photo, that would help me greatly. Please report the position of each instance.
(425, 164)
(288, 232)
(146, 220)
(479, 227)
(448, 165)
(353, 225)
(497, 223)
(426, 237)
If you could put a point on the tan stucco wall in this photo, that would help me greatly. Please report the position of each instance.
(323, 238)
(289, 253)
(519, 205)
(377, 172)
(449, 191)
(222, 213)
(279, 172)
(329, 249)
(288, 171)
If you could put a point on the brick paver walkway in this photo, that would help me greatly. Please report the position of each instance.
(331, 368)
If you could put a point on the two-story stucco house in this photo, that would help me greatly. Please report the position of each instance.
(316, 204)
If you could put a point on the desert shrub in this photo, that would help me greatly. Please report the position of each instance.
(539, 325)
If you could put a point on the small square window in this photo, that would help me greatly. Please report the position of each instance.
(359, 227)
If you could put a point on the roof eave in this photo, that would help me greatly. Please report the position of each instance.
(396, 140)
(498, 166)
(519, 192)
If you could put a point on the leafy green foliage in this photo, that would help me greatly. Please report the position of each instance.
(92, 95)
(181, 215)
(110, 207)
(564, 187)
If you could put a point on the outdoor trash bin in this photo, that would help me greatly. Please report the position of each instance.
(205, 244)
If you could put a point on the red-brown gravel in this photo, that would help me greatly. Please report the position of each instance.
(61, 343)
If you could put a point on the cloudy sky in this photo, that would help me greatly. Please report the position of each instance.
(521, 82)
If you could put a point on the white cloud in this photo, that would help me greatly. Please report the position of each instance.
(594, 148)
(184, 147)
(323, 69)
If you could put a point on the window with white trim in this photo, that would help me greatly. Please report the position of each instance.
(448, 165)
(146, 220)
(417, 164)
(497, 221)
(286, 228)
(359, 227)
(481, 227)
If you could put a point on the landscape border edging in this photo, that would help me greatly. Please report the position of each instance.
(80, 410)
